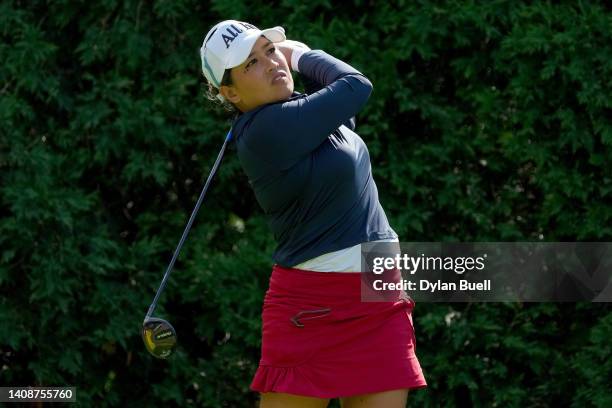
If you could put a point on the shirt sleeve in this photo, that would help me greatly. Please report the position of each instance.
(312, 86)
(285, 132)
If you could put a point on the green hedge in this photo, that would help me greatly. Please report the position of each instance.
(489, 121)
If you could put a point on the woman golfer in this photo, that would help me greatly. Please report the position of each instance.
(311, 175)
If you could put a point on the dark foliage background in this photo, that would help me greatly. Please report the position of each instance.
(489, 121)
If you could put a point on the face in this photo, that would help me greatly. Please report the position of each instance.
(264, 77)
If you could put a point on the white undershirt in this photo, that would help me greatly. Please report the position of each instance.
(343, 260)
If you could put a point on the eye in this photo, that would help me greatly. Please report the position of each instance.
(254, 60)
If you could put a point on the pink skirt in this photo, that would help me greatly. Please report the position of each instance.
(320, 340)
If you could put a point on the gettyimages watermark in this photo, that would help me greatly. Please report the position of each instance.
(487, 271)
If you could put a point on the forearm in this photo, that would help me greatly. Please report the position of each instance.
(324, 69)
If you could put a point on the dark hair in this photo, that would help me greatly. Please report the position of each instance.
(212, 92)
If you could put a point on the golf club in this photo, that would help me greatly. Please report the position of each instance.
(158, 334)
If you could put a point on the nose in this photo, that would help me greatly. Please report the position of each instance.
(272, 64)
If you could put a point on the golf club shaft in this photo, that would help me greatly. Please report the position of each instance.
(188, 227)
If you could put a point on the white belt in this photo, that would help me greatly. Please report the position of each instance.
(343, 260)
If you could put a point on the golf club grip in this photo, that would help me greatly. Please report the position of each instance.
(188, 227)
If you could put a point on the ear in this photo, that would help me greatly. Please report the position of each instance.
(230, 94)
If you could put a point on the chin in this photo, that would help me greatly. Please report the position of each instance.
(285, 93)
(289, 91)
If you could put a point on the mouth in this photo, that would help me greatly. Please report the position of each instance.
(278, 76)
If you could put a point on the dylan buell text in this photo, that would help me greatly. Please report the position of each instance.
(433, 286)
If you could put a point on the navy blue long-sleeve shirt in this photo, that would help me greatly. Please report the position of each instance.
(310, 171)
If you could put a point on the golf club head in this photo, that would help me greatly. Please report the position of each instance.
(159, 337)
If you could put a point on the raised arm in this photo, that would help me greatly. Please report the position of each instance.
(285, 132)
(311, 86)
